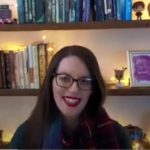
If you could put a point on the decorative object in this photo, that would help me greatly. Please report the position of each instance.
(139, 67)
(138, 138)
(1, 139)
(138, 7)
(119, 74)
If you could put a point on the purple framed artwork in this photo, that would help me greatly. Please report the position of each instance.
(139, 66)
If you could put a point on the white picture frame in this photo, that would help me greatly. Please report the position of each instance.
(139, 68)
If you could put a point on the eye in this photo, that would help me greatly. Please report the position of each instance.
(64, 78)
(85, 80)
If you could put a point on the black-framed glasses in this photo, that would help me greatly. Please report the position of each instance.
(64, 80)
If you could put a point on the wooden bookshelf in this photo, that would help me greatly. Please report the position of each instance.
(128, 91)
(112, 91)
(76, 26)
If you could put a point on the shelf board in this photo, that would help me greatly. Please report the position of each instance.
(112, 91)
(19, 92)
(128, 91)
(76, 26)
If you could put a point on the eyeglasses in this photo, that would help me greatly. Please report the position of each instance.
(64, 80)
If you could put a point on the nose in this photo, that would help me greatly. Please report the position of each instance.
(74, 87)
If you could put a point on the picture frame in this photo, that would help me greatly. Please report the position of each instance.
(139, 68)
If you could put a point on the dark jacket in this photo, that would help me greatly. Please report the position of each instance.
(18, 139)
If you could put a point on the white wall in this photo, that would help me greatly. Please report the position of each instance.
(110, 48)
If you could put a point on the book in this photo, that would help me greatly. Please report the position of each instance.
(120, 9)
(26, 68)
(1, 77)
(5, 14)
(42, 58)
(21, 11)
(86, 10)
(99, 10)
(144, 12)
(7, 69)
(128, 10)
(31, 67)
(79, 9)
(4, 6)
(12, 69)
(36, 67)
(40, 11)
(48, 10)
(108, 10)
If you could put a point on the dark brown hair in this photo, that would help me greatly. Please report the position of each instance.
(137, 4)
(46, 110)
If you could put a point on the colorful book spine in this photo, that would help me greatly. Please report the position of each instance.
(72, 11)
(26, 11)
(26, 69)
(42, 57)
(108, 9)
(86, 14)
(128, 10)
(78, 17)
(40, 11)
(67, 6)
(53, 11)
(12, 69)
(48, 10)
(36, 67)
(99, 10)
(21, 11)
(1, 75)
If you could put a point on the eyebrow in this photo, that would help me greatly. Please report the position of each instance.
(64, 73)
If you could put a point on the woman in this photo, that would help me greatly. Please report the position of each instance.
(69, 112)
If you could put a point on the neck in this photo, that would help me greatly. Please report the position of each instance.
(71, 123)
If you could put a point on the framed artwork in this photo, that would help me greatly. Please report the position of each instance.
(139, 67)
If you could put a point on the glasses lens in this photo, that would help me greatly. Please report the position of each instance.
(85, 83)
(63, 80)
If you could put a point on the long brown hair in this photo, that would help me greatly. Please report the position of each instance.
(46, 110)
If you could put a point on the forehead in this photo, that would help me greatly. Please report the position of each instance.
(73, 65)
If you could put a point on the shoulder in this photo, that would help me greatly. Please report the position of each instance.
(122, 135)
(19, 136)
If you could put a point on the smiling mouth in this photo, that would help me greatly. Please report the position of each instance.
(71, 101)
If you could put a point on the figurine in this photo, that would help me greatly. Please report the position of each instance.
(138, 7)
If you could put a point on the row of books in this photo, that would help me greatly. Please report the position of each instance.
(61, 11)
(25, 69)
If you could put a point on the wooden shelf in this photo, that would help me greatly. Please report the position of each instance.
(112, 91)
(19, 92)
(128, 91)
(76, 26)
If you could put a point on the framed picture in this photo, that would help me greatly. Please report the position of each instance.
(139, 67)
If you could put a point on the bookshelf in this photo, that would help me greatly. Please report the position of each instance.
(112, 90)
(76, 26)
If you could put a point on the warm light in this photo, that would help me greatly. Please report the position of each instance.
(51, 47)
(13, 47)
(124, 81)
(136, 145)
(44, 37)
(113, 79)
(7, 137)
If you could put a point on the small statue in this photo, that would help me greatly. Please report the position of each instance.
(138, 7)
(119, 74)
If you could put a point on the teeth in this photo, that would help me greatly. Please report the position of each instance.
(71, 100)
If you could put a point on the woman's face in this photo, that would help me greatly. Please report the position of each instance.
(71, 99)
